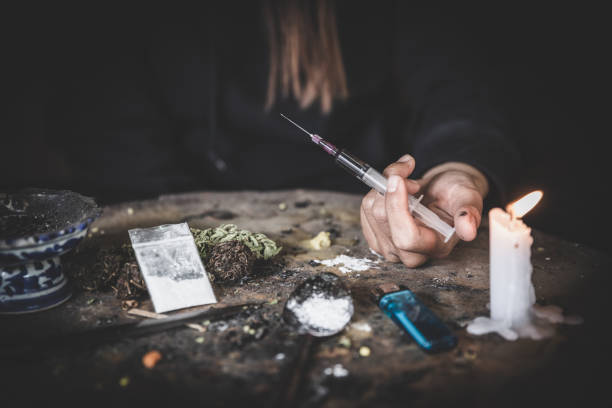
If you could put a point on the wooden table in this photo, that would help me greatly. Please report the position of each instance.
(228, 366)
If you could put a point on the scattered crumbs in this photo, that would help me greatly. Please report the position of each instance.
(470, 354)
(362, 326)
(130, 210)
(321, 241)
(350, 264)
(220, 326)
(344, 341)
(124, 381)
(282, 206)
(151, 358)
(364, 351)
(129, 304)
(337, 371)
(279, 356)
(199, 339)
(440, 281)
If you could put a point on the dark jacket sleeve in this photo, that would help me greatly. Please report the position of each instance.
(449, 102)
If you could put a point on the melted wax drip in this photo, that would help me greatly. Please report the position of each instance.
(538, 327)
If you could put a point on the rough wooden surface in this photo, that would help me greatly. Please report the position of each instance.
(228, 365)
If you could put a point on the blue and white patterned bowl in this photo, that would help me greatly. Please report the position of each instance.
(36, 227)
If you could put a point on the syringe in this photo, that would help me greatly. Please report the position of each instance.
(378, 182)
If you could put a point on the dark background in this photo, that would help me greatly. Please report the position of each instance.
(550, 62)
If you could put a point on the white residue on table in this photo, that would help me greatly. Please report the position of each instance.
(349, 263)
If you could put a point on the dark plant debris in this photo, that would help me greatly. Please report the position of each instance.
(230, 261)
(302, 204)
(105, 269)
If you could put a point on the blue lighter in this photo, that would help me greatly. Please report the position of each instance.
(400, 304)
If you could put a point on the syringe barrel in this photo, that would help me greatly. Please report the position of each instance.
(351, 164)
(375, 180)
(362, 171)
(430, 218)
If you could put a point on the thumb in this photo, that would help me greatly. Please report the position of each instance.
(467, 220)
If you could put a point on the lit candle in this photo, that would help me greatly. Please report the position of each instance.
(512, 294)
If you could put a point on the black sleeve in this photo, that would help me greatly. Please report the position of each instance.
(448, 100)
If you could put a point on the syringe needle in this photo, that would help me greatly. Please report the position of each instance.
(298, 126)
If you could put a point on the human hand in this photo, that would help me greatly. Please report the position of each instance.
(453, 190)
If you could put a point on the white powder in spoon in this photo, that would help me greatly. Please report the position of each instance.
(321, 315)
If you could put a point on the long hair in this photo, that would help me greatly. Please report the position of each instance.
(305, 58)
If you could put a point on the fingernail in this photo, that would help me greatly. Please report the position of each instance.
(368, 202)
(405, 158)
(393, 183)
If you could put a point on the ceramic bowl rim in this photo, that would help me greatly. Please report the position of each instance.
(44, 238)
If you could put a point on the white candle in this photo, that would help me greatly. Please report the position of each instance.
(512, 295)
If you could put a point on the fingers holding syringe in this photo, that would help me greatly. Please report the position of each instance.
(405, 233)
(376, 233)
(403, 167)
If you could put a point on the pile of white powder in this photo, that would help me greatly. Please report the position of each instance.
(321, 315)
(349, 264)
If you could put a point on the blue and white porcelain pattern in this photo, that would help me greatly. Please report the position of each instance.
(31, 277)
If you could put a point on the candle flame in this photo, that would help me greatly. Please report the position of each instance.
(524, 204)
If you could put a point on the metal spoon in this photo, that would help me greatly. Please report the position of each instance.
(321, 306)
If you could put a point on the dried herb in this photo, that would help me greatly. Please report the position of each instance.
(130, 283)
(262, 246)
(230, 261)
(98, 270)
